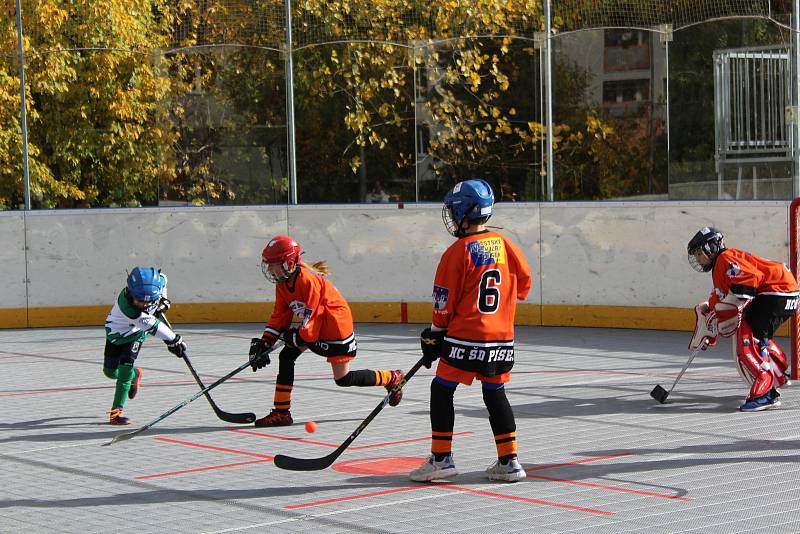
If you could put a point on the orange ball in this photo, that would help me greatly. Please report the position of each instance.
(311, 427)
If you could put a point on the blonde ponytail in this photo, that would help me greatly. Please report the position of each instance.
(321, 267)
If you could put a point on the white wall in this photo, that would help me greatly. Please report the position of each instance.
(12, 260)
(610, 253)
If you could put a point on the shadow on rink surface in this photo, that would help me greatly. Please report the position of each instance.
(601, 455)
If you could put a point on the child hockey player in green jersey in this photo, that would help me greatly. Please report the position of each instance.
(127, 325)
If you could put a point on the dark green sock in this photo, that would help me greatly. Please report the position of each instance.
(125, 374)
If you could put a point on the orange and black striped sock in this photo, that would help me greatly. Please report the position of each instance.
(501, 419)
(506, 446)
(283, 397)
(365, 377)
(382, 377)
(441, 444)
(443, 419)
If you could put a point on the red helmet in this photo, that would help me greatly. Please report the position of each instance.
(283, 250)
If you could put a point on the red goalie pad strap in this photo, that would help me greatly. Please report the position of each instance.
(729, 317)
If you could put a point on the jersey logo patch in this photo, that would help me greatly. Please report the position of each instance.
(300, 311)
(440, 295)
(733, 270)
(489, 251)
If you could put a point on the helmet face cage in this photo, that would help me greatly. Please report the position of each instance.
(470, 201)
(710, 241)
(449, 222)
(144, 286)
(283, 251)
(278, 278)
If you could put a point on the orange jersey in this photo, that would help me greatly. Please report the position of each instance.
(323, 312)
(746, 276)
(478, 282)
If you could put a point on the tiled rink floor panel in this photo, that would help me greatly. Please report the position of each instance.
(601, 455)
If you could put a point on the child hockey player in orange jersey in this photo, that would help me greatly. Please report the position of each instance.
(752, 297)
(479, 279)
(132, 317)
(325, 328)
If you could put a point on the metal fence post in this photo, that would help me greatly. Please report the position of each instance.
(290, 141)
(548, 83)
(26, 179)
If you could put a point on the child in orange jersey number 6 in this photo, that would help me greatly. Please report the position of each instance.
(478, 281)
(325, 327)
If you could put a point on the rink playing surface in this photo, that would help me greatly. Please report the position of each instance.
(600, 453)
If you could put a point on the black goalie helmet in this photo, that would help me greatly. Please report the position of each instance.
(709, 240)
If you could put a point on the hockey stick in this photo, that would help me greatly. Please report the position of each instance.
(237, 418)
(660, 394)
(315, 464)
(129, 435)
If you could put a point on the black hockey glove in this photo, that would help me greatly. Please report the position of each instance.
(177, 346)
(431, 343)
(259, 353)
(163, 305)
(293, 339)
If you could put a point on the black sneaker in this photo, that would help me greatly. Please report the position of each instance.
(275, 418)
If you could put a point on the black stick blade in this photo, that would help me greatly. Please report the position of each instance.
(305, 464)
(660, 394)
(244, 418)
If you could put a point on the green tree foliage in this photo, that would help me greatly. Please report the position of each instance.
(99, 131)
(131, 103)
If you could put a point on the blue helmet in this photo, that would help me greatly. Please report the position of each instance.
(144, 284)
(470, 200)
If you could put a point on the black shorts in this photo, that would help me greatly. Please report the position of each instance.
(766, 313)
(488, 359)
(116, 355)
(335, 348)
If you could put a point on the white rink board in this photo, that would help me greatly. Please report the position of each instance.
(634, 254)
(606, 254)
(383, 253)
(81, 257)
(12, 260)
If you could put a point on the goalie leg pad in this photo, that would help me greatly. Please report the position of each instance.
(777, 355)
(754, 369)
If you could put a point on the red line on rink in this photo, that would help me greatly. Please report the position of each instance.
(528, 499)
(612, 488)
(576, 462)
(402, 441)
(353, 497)
(87, 388)
(334, 445)
(456, 488)
(283, 438)
(403, 312)
(213, 448)
(197, 470)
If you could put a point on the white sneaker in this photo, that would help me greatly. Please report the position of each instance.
(510, 472)
(433, 470)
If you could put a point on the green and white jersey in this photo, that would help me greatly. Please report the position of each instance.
(126, 324)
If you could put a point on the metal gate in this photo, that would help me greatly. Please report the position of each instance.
(752, 91)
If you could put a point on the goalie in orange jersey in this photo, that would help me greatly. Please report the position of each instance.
(325, 328)
(752, 297)
(479, 279)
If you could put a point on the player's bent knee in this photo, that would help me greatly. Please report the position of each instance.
(110, 373)
(345, 381)
(447, 384)
(442, 391)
